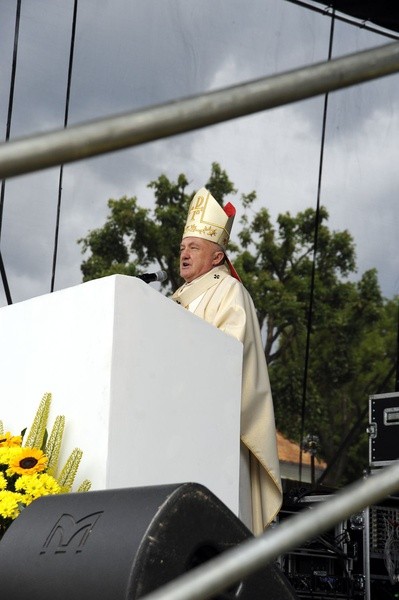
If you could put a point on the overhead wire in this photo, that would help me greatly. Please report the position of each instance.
(66, 117)
(314, 261)
(7, 137)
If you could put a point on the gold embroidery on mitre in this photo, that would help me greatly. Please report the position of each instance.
(204, 231)
(196, 207)
(207, 219)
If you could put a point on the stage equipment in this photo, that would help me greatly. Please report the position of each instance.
(381, 549)
(357, 560)
(383, 429)
(381, 539)
(329, 565)
(123, 544)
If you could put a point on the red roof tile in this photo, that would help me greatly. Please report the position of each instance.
(289, 452)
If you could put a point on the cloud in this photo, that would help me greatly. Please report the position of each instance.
(130, 55)
(361, 183)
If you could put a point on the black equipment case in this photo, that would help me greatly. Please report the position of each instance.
(383, 429)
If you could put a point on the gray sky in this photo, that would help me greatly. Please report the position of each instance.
(135, 53)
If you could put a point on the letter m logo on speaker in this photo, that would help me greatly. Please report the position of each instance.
(70, 534)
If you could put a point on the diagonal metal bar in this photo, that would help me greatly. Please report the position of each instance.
(157, 122)
(232, 566)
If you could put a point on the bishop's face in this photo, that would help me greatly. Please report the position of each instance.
(197, 257)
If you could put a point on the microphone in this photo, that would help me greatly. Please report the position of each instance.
(149, 277)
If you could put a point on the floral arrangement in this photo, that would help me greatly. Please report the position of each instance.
(29, 470)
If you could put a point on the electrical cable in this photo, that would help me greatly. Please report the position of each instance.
(66, 116)
(7, 137)
(315, 248)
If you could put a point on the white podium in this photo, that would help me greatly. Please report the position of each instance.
(150, 392)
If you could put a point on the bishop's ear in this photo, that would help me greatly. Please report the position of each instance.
(218, 258)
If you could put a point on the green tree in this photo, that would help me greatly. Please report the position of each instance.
(329, 341)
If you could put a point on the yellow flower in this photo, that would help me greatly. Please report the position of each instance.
(3, 482)
(35, 486)
(10, 504)
(10, 440)
(7, 453)
(27, 462)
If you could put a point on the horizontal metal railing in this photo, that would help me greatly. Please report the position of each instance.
(232, 566)
(157, 122)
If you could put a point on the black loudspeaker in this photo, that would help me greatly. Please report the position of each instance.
(123, 544)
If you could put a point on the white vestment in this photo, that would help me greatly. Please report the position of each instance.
(222, 300)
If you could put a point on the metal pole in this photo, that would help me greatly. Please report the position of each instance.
(366, 554)
(229, 568)
(134, 128)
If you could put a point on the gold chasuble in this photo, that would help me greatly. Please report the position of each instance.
(222, 300)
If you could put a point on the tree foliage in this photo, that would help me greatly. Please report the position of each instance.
(329, 340)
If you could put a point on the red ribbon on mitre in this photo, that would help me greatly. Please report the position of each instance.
(230, 211)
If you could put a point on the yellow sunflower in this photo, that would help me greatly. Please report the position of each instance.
(27, 462)
(10, 440)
